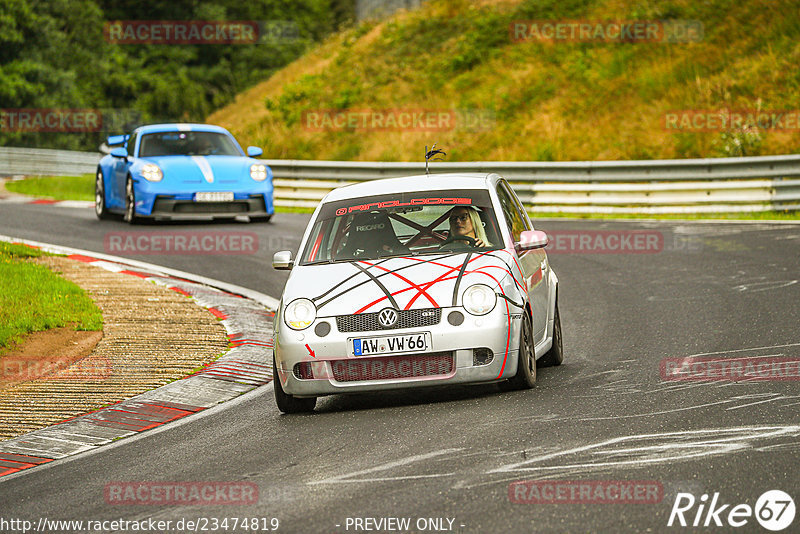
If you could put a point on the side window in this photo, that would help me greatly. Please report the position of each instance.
(511, 211)
(131, 144)
(518, 203)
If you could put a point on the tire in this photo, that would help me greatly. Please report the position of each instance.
(555, 355)
(526, 365)
(262, 219)
(289, 403)
(100, 197)
(130, 202)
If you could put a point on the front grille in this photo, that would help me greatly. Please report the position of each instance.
(368, 322)
(166, 205)
(210, 207)
(393, 367)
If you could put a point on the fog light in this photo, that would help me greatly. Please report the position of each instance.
(322, 329)
(455, 318)
(303, 371)
(482, 356)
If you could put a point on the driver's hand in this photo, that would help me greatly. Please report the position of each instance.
(479, 243)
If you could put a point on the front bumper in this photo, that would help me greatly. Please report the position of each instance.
(153, 201)
(253, 206)
(497, 331)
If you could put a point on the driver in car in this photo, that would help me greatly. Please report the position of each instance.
(466, 227)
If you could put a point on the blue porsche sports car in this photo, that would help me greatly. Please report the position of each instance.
(182, 170)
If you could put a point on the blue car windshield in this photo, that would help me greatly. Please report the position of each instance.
(405, 224)
(187, 144)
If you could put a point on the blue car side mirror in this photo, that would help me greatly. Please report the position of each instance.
(117, 139)
(254, 151)
(119, 152)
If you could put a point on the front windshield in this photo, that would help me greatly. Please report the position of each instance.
(187, 144)
(403, 224)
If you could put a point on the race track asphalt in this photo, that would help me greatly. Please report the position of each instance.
(608, 414)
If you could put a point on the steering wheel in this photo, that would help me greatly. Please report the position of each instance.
(452, 239)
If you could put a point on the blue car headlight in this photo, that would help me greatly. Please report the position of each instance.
(152, 173)
(258, 172)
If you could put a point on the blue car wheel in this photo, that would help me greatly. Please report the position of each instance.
(130, 202)
(100, 197)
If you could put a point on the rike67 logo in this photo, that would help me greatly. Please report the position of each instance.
(774, 510)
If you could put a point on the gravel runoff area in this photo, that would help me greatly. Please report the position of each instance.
(152, 335)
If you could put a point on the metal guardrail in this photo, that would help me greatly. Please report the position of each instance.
(646, 186)
(45, 162)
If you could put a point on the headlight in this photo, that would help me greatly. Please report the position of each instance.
(152, 173)
(300, 314)
(479, 299)
(258, 172)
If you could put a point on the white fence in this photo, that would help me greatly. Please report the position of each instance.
(647, 186)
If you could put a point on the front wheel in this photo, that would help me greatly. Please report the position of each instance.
(526, 366)
(100, 197)
(130, 202)
(289, 403)
(555, 355)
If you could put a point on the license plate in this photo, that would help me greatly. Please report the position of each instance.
(214, 196)
(370, 346)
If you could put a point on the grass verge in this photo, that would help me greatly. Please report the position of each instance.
(34, 298)
(55, 187)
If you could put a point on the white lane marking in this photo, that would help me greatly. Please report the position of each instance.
(205, 168)
(767, 285)
(781, 397)
(390, 465)
(745, 350)
(726, 401)
(672, 446)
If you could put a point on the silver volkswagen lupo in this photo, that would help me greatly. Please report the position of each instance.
(410, 282)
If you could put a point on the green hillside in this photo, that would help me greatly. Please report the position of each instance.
(534, 100)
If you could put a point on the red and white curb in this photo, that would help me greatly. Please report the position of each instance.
(247, 318)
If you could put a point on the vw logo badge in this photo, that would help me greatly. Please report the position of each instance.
(387, 317)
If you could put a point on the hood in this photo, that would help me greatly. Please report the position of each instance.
(203, 169)
(425, 281)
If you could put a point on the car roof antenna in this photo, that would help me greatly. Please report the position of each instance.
(430, 155)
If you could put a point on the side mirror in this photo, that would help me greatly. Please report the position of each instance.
(532, 239)
(282, 261)
(117, 139)
(119, 152)
(254, 151)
